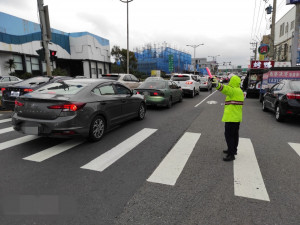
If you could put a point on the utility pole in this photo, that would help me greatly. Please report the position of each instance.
(195, 46)
(254, 50)
(271, 53)
(295, 39)
(46, 32)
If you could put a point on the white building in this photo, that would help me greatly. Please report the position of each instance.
(80, 53)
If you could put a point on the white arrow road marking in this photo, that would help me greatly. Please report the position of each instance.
(17, 141)
(5, 120)
(108, 158)
(53, 151)
(296, 147)
(205, 99)
(170, 168)
(6, 130)
(212, 102)
(248, 181)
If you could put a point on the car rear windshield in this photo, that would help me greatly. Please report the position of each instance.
(64, 88)
(153, 85)
(295, 85)
(181, 78)
(110, 77)
(35, 81)
(203, 79)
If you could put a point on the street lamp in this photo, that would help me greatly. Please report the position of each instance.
(214, 58)
(127, 1)
(194, 46)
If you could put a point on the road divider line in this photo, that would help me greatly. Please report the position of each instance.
(248, 181)
(6, 130)
(5, 120)
(108, 158)
(17, 141)
(53, 151)
(205, 99)
(296, 147)
(171, 167)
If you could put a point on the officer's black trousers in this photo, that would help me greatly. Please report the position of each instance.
(232, 136)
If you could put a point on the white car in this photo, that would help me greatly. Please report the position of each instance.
(128, 79)
(189, 83)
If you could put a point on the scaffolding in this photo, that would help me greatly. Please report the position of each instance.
(162, 57)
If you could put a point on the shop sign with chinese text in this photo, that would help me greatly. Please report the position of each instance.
(262, 64)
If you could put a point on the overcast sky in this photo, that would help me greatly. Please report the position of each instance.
(225, 27)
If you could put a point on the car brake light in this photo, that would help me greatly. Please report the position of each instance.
(28, 90)
(17, 103)
(137, 93)
(189, 82)
(68, 107)
(155, 93)
(2, 89)
(180, 75)
(205, 82)
(293, 96)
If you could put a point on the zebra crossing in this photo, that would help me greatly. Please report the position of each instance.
(248, 180)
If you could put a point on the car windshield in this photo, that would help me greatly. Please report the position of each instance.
(295, 85)
(110, 77)
(181, 78)
(153, 85)
(34, 81)
(63, 87)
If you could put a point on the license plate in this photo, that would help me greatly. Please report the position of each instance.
(31, 130)
(15, 93)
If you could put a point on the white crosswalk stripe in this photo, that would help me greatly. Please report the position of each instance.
(296, 147)
(53, 151)
(5, 120)
(171, 167)
(17, 141)
(6, 130)
(248, 181)
(108, 158)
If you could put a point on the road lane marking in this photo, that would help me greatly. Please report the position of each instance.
(6, 130)
(108, 158)
(53, 151)
(171, 167)
(17, 141)
(248, 181)
(296, 147)
(205, 99)
(5, 120)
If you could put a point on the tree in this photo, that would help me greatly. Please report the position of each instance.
(10, 64)
(120, 65)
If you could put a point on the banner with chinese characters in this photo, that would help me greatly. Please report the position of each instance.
(272, 77)
(288, 2)
(262, 64)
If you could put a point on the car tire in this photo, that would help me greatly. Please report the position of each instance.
(261, 97)
(193, 93)
(97, 128)
(169, 104)
(278, 115)
(180, 98)
(264, 106)
(142, 111)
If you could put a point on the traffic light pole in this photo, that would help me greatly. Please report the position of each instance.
(272, 44)
(45, 39)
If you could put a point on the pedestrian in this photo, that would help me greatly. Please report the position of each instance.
(232, 114)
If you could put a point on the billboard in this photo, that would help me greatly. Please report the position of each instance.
(262, 64)
(288, 2)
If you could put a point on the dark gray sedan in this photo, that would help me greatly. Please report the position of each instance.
(86, 107)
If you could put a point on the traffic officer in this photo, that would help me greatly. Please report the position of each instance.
(232, 114)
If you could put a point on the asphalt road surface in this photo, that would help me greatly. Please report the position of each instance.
(166, 169)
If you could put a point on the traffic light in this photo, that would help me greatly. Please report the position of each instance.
(41, 53)
(53, 56)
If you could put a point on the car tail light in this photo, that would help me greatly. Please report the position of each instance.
(137, 93)
(293, 96)
(68, 107)
(180, 75)
(17, 103)
(205, 82)
(28, 90)
(157, 94)
(2, 89)
(289, 112)
(189, 82)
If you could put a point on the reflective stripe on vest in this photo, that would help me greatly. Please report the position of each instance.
(234, 103)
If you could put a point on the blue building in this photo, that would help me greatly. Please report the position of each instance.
(79, 53)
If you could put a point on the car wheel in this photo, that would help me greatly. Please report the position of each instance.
(180, 97)
(264, 106)
(97, 128)
(278, 115)
(261, 97)
(142, 111)
(193, 93)
(169, 105)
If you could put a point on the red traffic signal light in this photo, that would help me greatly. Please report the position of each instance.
(52, 53)
(53, 56)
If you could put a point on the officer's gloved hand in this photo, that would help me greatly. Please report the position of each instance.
(216, 81)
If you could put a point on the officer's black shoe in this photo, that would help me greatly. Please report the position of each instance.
(226, 152)
(229, 158)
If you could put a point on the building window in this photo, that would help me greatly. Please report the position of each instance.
(32, 65)
(100, 71)
(292, 24)
(281, 30)
(18, 63)
(287, 27)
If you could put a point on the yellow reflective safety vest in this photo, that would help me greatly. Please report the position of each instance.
(233, 109)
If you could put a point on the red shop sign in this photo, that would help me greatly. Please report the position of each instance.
(262, 64)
